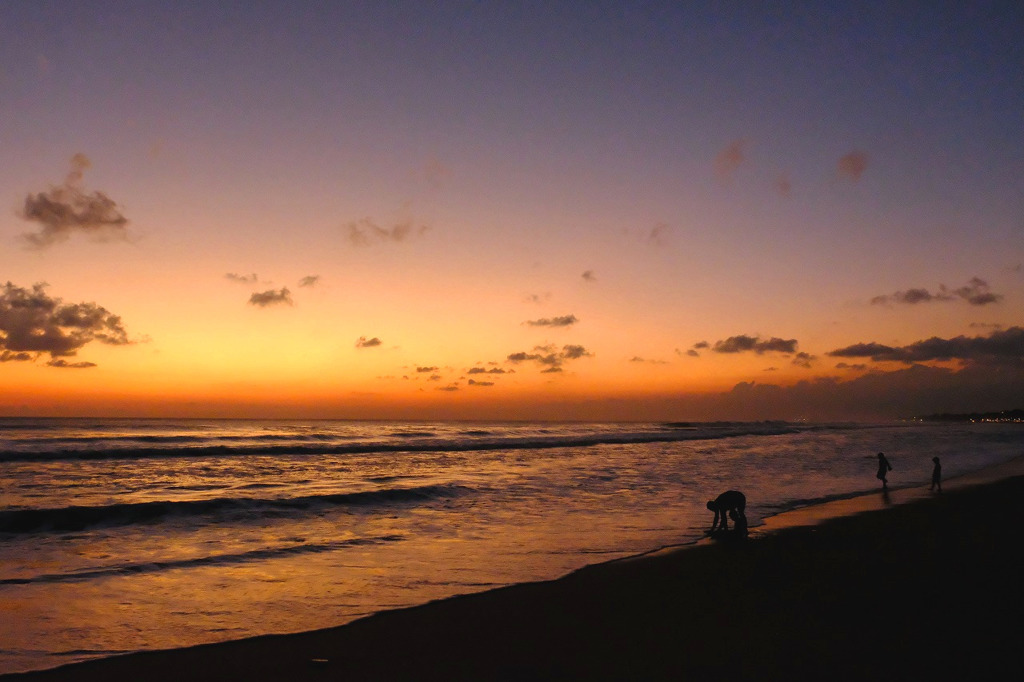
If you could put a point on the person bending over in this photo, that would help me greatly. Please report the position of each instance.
(730, 503)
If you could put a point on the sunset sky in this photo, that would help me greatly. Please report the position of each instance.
(485, 210)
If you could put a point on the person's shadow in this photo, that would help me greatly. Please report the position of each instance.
(886, 500)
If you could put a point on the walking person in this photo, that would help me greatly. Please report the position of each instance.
(883, 468)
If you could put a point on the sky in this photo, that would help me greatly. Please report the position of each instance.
(487, 210)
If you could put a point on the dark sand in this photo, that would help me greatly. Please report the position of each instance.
(929, 587)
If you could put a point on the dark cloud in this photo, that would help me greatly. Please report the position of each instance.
(67, 209)
(1003, 347)
(309, 281)
(550, 357)
(363, 342)
(434, 377)
(64, 364)
(744, 343)
(730, 159)
(855, 367)
(473, 382)
(483, 370)
(271, 297)
(450, 387)
(366, 232)
(561, 321)
(242, 279)
(33, 322)
(804, 360)
(589, 276)
(852, 166)
(422, 370)
(976, 292)
(692, 353)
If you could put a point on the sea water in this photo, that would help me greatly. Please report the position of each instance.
(125, 535)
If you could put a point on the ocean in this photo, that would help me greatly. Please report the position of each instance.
(119, 535)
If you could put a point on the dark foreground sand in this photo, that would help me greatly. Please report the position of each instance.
(927, 589)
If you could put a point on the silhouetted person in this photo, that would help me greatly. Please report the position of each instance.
(883, 468)
(936, 475)
(730, 503)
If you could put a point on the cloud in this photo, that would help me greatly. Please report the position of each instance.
(363, 342)
(538, 298)
(242, 279)
(473, 382)
(33, 322)
(639, 360)
(782, 185)
(658, 235)
(561, 321)
(804, 360)
(909, 391)
(549, 357)
(589, 276)
(1001, 347)
(975, 292)
(744, 343)
(422, 370)
(271, 297)
(64, 364)
(436, 173)
(449, 387)
(730, 159)
(66, 209)
(852, 166)
(365, 232)
(856, 367)
(309, 281)
(492, 370)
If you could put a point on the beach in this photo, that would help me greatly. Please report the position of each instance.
(906, 584)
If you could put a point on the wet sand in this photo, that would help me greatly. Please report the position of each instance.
(905, 585)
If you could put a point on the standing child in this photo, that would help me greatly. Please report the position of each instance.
(936, 475)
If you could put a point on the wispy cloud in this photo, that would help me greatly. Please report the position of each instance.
(436, 173)
(473, 382)
(658, 235)
(242, 279)
(1003, 347)
(32, 322)
(976, 292)
(782, 185)
(67, 209)
(363, 342)
(730, 159)
(589, 276)
(366, 231)
(640, 360)
(561, 321)
(309, 281)
(271, 297)
(852, 166)
(538, 298)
